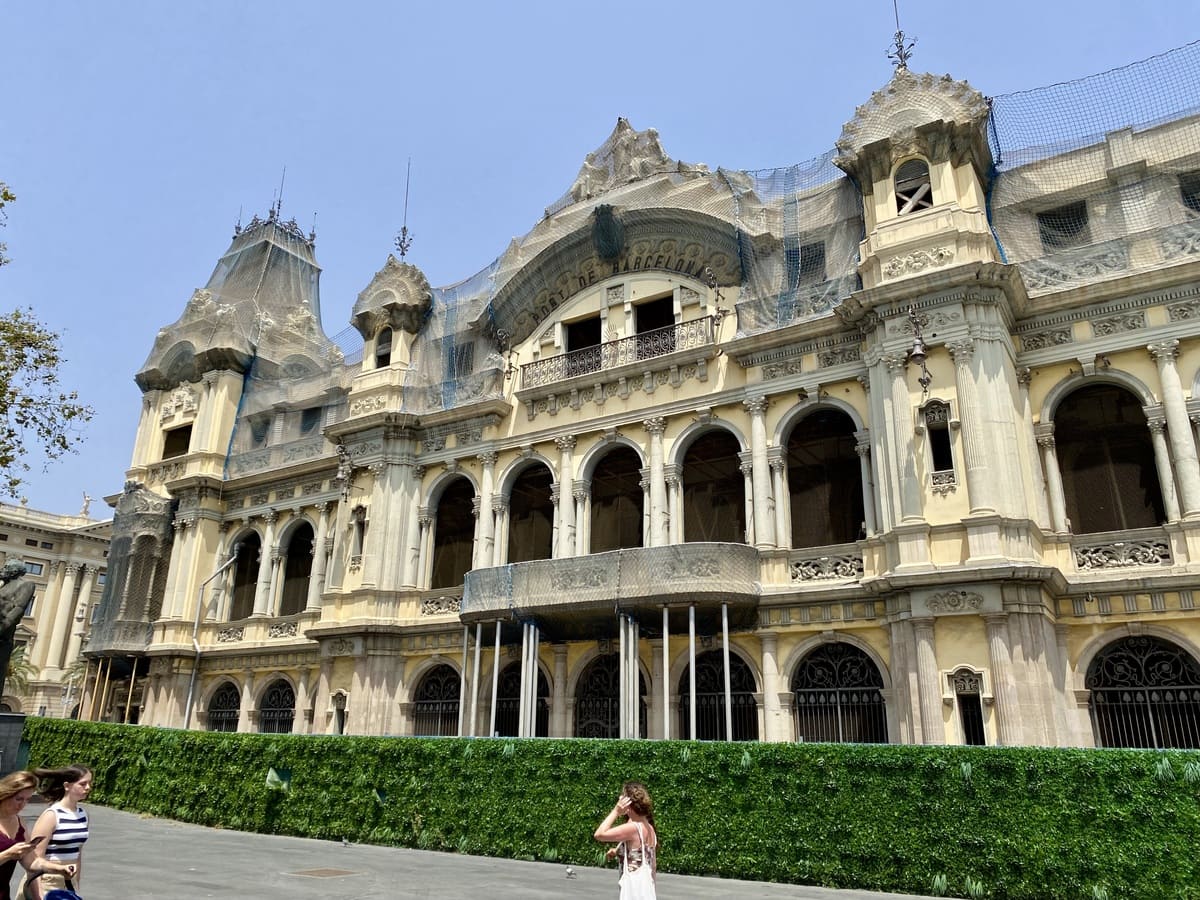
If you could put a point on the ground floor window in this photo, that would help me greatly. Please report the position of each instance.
(508, 703)
(598, 703)
(223, 708)
(710, 699)
(435, 704)
(1145, 692)
(278, 709)
(837, 696)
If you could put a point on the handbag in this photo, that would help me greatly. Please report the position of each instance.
(67, 893)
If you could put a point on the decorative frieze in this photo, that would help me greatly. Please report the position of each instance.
(917, 261)
(826, 568)
(441, 606)
(282, 630)
(782, 368)
(230, 635)
(1123, 554)
(1051, 337)
(837, 356)
(955, 601)
(1130, 321)
(1184, 311)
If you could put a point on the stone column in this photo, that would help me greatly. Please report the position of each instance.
(933, 728)
(266, 567)
(781, 500)
(376, 544)
(1035, 483)
(979, 481)
(63, 618)
(909, 486)
(275, 591)
(558, 718)
(644, 484)
(1054, 486)
(764, 523)
(583, 518)
(566, 493)
(747, 468)
(79, 621)
(776, 725)
(862, 447)
(316, 580)
(425, 557)
(500, 508)
(486, 532)
(412, 549)
(659, 514)
(1003, 678)
(556, 518)
(1162, 462)
(1183, 447)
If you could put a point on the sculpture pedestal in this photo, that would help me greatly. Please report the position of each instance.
(11, 727)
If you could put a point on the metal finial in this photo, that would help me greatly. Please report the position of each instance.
(404, 239)
(901, 51)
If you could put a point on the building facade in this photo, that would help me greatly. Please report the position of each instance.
(66, 558)
(896, 445)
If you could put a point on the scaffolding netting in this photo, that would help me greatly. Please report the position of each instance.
(1099, 177)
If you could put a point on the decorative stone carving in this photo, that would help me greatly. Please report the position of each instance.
(580, 576)
(1117, 324)
(955, 601)
(825, 568)
(917, 261)
(1184, 311)
(282, 629)
(626, 156)
(341, 647)
(441, 606)
(365, 405)
(943, 483)
(1051, 337)
(398, 296)
(1088, 264)
(837, 356)
(182, 400)
(780, 369)
(231, 634)
(1123, 554)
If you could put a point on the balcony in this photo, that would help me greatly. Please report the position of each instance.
(578, 597)
(642, 362)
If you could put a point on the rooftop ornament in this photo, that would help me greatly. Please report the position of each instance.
(404, 238)
(902, 51)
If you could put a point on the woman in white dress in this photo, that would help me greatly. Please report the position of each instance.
(636, 840)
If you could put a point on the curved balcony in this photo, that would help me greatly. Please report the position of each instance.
(578, 597)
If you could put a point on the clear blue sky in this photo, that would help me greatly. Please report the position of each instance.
(133, 132)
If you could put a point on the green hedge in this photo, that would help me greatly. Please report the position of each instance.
(1023, 822)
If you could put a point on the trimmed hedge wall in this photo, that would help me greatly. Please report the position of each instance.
(1022, 822)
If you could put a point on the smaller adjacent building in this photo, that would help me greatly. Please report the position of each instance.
(66, 558)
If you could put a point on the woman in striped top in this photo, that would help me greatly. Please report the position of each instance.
(64, 826)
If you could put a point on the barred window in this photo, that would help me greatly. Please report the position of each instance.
(1064, 226)
(837, 692)
(224, 708)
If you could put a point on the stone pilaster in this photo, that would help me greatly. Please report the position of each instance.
(1183, 447)
(764, 522)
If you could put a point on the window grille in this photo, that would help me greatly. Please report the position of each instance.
(597, 700)
(508, 703)
(710, 699)
(224, 708)
(1145, 692)
(435, 709)
(837, 695)
(967, 692)
(278, 709)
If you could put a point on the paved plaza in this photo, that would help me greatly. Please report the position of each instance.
(157, 859)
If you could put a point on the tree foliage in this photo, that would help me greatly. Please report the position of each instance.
(33, 408)
(6, 197)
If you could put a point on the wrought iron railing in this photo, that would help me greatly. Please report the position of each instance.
(613, 354)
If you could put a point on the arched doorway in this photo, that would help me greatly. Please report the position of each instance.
(508, 703)
(453, 535)
(617, 500)
(245, 576)
(714, 490)
(224, 708)
(710, 698)
(1110, 480)
(297, 568)
(1145, 692)
(824, 480)
(277, 711)
(531, 516)
(435, 703)
(837, 694)
(598, 699)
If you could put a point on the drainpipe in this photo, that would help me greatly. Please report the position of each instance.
(187, 709)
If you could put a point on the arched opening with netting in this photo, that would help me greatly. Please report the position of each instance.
(531, 516)
(598, 699)
(714, 490)
(453, 534)
(297, 567)
(245, 576)
(224, 708)
(824, 480)
(1110, 480)
(1145, 692)
(508, 703)
(710, 698)
(435, 703)
(617, 501)
(837, 695)
(277, 711)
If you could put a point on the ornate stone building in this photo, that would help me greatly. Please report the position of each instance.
(66, 558)
(894, 445)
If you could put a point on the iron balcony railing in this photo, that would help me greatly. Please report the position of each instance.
(614, 354)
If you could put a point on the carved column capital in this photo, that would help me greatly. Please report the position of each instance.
(419, 472)
(896, 363)
(962, 350)
(1157, 425)
(1046, 441)
(270, 516)
(656, 425)
(500, 505)
(1164, 351)
(488, 458)
(565, 444)
(865, 382)
(756, 406)
(747, 468)
(1025, 377)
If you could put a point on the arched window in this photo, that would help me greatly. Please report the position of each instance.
(508, 703)
(224, 708)
(454, 534)
(617, 499)
(837, 695)
(383, 348)
(1106, 456)
(598, 699)
(714, 490)
(710, 699)
(825, 480)
(278, 709)
(296, 570)
(435, 703)
(1145, 692)
(245, 576)
(531, 516)
(913, 189)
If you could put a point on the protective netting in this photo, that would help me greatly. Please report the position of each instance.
(1099, 177)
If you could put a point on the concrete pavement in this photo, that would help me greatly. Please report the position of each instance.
(132, 856)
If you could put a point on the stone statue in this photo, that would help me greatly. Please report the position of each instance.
(14, 598)
(87, 504)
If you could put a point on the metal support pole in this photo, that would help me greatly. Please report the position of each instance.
(692, 670)
(462, 678)
(495, 681)
(132, 680)
(728, 692)
(475, 678)
(666, 676)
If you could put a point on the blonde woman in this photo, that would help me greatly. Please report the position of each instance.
(15, 790)
(636, 840)
(62, 829)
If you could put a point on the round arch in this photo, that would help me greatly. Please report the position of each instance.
(596, 453)
(438, 486)
(803, 409)
(275, 702)
(805, 647)
(684, 440)
(710, 703)
(515, 469)
(1071, 383)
